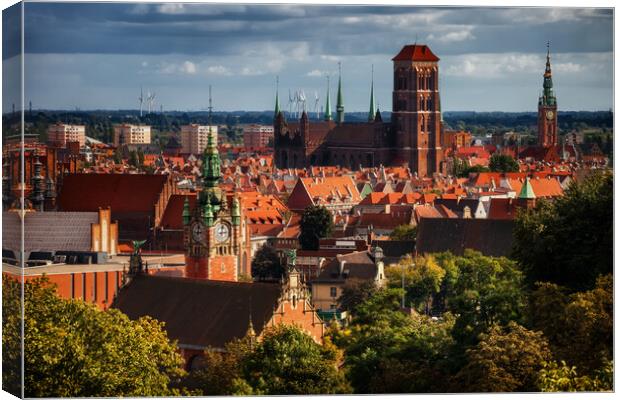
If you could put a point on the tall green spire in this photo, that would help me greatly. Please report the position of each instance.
(328, 106)
(340, 102)
(211, 163)
(277, 110)
(373, 106)
(211, 172)
(548, 97)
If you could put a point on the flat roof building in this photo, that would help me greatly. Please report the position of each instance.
(194, 137)
(59, 134)
(131, 134)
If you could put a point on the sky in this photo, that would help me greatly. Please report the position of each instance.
(99, 55)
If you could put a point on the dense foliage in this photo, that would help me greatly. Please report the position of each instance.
(284, 361)
(569, 241)
(503, 163)
(266, 264)
(72, 349)
(404, 232)
(316, 223)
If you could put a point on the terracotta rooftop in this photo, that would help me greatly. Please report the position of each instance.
(416, 52)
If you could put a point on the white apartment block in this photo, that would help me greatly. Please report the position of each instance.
(132, 134)
(194, 138)
(59, 134)
(257, 135)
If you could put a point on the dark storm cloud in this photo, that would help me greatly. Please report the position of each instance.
(11, 31)
(209, 29)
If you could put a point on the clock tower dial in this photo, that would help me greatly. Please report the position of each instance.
(222, 232)
(549, 115)
(198, 232)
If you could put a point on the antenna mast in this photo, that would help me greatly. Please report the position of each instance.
(210, 107)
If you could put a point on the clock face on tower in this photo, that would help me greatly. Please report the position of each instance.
(198, 232)
(549, 115)
(222, 232)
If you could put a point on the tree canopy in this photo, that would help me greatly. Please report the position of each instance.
(266, 264)
(569, 241)
(506, 359)
(316, 223)
(72, 349)
(404, 232)
(284, 361)
(503, 163)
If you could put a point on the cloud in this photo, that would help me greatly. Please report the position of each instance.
(454, 36)
(505, 65)
(188, 67)
(218, 70)
(171, 8)
(316, 73)
(176, 68)
(568, 67)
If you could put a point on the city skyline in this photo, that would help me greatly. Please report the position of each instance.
(492, 59)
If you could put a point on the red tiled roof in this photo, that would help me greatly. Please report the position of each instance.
(416, 52)
(542, 187)
(173, 214)
(502, 208)
(121, 192)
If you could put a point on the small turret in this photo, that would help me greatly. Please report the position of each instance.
(527, 198)
(208, 214)
(236, 211)
(186, 213)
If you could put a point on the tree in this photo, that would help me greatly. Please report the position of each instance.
(356, 292)
(422, 278)
(133, 158)
(569, 241)
(554, 377)
(266, 264)
(506, 359)
(140, 155)
(287, 362)
(487, 291)
(404, 232)
(220, 373)
(72, 349)
(503, 163)
(579, 326)
(389, 351)
(316, 223)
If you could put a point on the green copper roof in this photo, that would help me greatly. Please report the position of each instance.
(340, 102)
(186, 213)
(373, 106)
(211, 163)
(526, 190)
(328, 106)
(548, 97)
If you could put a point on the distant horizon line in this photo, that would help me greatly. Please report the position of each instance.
(610, 109)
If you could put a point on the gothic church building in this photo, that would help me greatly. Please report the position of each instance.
(411, 138)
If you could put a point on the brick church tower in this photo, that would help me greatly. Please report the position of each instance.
(416, 115)
(547, 111)
(215, 233)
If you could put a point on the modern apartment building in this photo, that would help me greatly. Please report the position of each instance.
(194, 137)
(131, 134)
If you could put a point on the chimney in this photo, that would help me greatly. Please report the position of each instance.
(341, 266)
